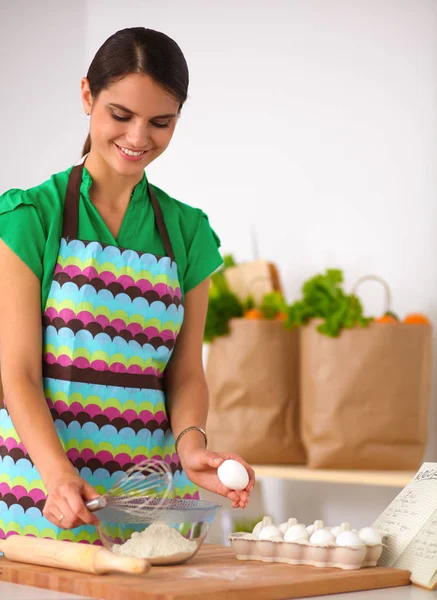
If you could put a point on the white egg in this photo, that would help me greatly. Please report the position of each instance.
(265, 521)
(322, 537)
(370, 536)
(233, 475)
(257, 528)
(296, 533)
(310, 529)
(284, 526)
(348, 539)
(269, 532)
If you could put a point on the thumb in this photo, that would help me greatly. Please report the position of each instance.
(214, 460)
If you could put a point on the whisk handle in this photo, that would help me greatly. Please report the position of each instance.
(96, 503)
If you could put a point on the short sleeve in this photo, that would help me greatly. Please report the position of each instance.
(203, 256)
(21, 229)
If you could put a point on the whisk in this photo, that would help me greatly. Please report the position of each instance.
(145, 485)
(168, 510)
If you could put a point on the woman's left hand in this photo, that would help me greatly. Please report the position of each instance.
(201, 466)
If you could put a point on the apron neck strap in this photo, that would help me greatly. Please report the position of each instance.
(71, 211)
(160, 223)
(71, 206)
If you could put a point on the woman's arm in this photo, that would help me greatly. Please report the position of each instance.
(21, 372)
(187, 399)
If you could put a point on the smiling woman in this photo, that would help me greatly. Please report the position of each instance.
(101, 328)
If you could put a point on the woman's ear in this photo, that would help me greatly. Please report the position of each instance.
(87, 97)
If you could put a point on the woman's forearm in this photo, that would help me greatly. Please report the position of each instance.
(188, 405)
(34, 424)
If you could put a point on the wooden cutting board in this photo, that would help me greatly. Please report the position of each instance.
(213, 574)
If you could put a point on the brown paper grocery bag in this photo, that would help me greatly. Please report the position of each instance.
(255, 278)
(252, 376)
(365, 396)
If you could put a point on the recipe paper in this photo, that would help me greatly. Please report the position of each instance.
(410, 526)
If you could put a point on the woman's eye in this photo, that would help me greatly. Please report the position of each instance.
(160, 125)
(118, 118)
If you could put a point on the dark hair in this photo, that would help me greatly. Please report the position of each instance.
(139, 50)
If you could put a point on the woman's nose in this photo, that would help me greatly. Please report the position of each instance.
(138, 137)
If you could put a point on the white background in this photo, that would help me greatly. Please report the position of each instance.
(313, 122)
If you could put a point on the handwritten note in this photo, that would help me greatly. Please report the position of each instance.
(421, 556)
(410, 526)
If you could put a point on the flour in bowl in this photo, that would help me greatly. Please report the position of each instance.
(157, 540)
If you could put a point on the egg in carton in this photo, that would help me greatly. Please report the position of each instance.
(316, 545)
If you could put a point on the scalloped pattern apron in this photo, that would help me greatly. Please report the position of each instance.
(109, 328)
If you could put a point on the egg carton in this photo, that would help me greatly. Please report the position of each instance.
(340, 547)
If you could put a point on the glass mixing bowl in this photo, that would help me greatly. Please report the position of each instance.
(191, 518)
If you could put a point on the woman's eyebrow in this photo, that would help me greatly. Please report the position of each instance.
(131, 112)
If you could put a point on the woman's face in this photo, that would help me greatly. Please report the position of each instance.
(132, 122)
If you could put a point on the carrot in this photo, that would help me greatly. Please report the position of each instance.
(253, 313)
(417, 319)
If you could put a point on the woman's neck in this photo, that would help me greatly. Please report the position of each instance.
(109, 187)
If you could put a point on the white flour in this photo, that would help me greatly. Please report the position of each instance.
(157, 540)
(229, 574)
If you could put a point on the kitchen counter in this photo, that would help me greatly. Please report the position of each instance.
(221, 574)
(11, 591)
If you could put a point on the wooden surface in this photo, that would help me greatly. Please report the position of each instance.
(397, 479)
(214, 574)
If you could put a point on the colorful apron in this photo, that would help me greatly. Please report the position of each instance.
(109, 328)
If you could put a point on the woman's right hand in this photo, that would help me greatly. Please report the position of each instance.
(65, 504)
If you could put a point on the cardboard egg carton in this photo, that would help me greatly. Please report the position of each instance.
(320, 549)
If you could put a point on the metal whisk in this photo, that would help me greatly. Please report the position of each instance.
(145, 485)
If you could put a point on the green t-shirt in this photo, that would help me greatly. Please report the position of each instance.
(31, 225)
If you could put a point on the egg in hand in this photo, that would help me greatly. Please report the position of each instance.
(233, 475)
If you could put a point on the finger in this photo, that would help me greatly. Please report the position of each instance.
(244, 502)
(64, 516)
(89, 493)
(212, 459)
(235, 497)
(78, 508)
(244, 497)
(232, 495)
(52, 511)
(221, 489)
(252, 479)
(51, 514)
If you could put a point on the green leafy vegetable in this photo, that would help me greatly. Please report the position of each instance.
(223, 304)
(324, 298)
(272, 305)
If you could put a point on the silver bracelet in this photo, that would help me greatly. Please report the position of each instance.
(182, 433)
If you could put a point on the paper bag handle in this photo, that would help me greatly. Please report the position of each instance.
(387, 297)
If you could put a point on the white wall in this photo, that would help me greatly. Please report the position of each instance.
(42, 49)
(313, 121)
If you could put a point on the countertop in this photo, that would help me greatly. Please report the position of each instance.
(11, 591)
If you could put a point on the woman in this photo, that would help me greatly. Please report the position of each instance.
(114, 265)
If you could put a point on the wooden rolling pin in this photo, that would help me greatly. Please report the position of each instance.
(70, 555)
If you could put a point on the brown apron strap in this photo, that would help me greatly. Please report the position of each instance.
(71, 210)
(71, 206)
(159, 218)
